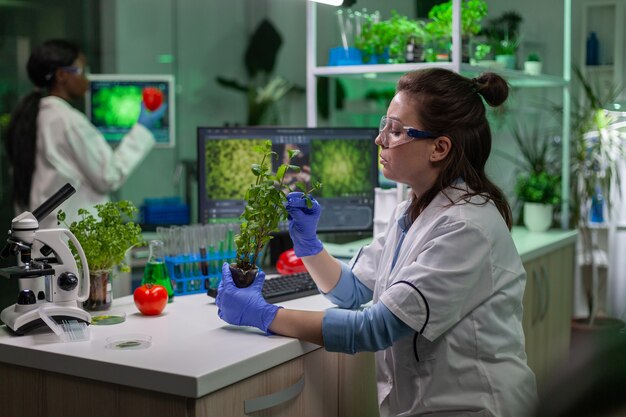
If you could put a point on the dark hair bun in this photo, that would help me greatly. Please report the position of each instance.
(492, 87)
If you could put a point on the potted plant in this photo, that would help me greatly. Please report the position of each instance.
(538, 182)
(540, 192)
(596, 152)
(439, 28)
(503, 34)
(105, 238)
(481, 53)
(386, 41)
(532, 65)
(262, 90)
(263, 212)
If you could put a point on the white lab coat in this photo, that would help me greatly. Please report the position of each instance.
(472, 360)
(71, 149)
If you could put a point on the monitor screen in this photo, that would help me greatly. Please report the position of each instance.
(344, 160)
(113, 104)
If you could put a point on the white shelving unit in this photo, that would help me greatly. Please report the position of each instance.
(392, 72)
(606, 18)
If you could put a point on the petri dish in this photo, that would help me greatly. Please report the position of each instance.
(106, 318)
(133, 341)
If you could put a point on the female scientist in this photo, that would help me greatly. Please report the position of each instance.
(445, 278)
(49, 143)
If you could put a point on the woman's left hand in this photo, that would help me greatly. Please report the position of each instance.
(244, 306)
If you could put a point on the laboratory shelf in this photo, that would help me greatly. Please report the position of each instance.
(391, 73)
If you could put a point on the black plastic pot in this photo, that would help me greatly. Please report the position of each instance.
(241, 278)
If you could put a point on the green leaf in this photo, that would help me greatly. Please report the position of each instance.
(280, 172)
(301, 186)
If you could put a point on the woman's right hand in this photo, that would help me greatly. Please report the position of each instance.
(149, 119)
(303, 224)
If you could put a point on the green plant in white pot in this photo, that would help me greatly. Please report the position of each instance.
(532, 65)
(538, 181)
(540, 192)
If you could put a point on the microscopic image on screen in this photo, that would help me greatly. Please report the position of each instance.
(113, 104)
(117, 105)
(228, 172)
(343, 166)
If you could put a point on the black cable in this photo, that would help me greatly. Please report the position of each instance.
(425, 322)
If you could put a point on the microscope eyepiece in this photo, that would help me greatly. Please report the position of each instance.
(53, 202)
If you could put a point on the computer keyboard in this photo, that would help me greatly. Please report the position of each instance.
(288, 287)
(284, 287)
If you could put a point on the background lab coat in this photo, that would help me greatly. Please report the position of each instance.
(70, 149)
(472, 357)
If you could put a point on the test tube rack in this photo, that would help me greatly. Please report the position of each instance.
(195, 273)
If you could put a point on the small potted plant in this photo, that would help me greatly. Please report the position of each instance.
(481, 53)
(540, 192)
(532, 65)
(537, 187)
(386, 41)
(105, 238)
(503, 34)
(263, 212)
(439, 28)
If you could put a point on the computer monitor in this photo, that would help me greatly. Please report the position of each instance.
(344, 160)
(112, 103)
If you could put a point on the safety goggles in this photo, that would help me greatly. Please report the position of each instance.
(393, 133)
(76, 70)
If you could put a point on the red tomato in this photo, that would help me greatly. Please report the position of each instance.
(152, 98)
(150, 299)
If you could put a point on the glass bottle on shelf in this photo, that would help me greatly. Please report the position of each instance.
(156, 271)
(597, 207)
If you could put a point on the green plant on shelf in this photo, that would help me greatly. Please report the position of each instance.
(533, 57)
(482, 51)
(389, 36)
(472, 13)
(507, 47)
(539, 187)
(503, 32)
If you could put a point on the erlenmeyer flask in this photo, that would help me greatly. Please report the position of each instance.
(156, 271)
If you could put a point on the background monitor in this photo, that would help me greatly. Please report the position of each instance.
(344, 160)
(112, 103)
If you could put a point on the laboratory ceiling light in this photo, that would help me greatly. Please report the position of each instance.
(331, 2)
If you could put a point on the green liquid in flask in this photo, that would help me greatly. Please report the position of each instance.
(156, 273)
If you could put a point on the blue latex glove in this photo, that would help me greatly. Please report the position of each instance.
(150, 118)
(303, 224)
(244, 306)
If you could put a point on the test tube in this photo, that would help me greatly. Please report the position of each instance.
(201, 236)
(176, 251)
(187, 237)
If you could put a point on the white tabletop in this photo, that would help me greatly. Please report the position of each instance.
(192, 351)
